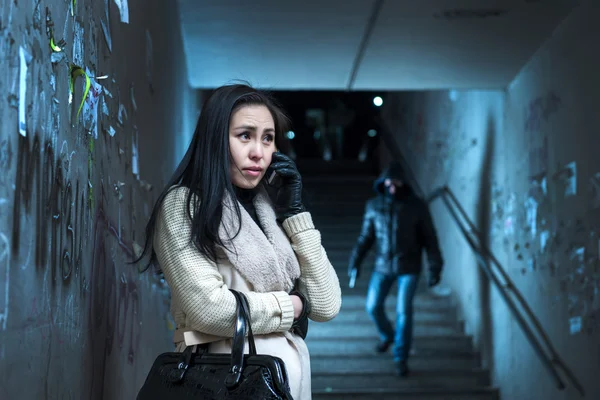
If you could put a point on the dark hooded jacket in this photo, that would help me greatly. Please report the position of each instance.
(400, 226)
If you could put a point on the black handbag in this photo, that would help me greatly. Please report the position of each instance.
(197, 374)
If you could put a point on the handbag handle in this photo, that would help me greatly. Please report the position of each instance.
(242, 326)
(246, 312)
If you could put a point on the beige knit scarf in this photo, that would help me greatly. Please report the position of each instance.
(264, 257)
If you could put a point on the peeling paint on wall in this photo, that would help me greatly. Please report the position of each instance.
(105, 22)
(574, 325)
(567, 178)
(123, 7)
(538, 156)
(78, 44)
(540, 110)
(90, 108)
(544, 237)
(24, 61)
(531, 206)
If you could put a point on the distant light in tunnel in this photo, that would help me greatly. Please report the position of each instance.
(290, 135)
(378, 101)
(372, 133)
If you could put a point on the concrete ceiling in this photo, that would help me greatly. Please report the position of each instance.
(364, 44)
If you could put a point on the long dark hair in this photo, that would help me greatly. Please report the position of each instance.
(205, 167)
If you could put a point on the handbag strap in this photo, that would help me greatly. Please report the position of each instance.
(246, 309)
(242, 326)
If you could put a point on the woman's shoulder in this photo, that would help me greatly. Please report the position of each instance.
(175, 199)
(175, 196)
(176, 193)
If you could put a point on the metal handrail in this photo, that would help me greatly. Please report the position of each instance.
(484, 256)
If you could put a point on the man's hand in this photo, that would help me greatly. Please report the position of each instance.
(353, 274)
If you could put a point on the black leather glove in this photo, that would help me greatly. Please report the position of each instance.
(434, 278)
(300, 325)
(288, 194)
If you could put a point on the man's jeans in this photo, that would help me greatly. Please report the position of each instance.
(379, 287)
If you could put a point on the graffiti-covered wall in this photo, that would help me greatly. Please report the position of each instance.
(523, 163)
(94, 97)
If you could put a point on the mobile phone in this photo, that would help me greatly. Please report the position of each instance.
(271, 177)
(271, 174)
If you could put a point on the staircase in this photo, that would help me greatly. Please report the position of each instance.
(344, 365)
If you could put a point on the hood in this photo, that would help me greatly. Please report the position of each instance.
(393, 171)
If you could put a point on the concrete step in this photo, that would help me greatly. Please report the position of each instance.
(322, 205)
(340, 258)
(426, 318)
(337, 255)
(343, 229)
(337, 222)
(350, 195)
(358, 301)
(367, 270)
(375, 363)
(333, 217)
(331, 226)
(344, 240)
(361, 289)
(366, 347)
(442, 317)
(368, 331)
(329, 197)
(390, 309)
(323, 200)
(327, 212)
(419, 378)
(327, 208)
(483, 393)
(340, 264)
(362, 284)
(343, 243)
(342, 250)
(454, 344)
(335, 203)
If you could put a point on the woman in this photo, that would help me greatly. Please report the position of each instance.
(216, 227)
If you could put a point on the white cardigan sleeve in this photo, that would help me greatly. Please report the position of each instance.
(196, 283)
(318, 280)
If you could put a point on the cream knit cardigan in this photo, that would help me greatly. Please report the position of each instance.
(202, 303)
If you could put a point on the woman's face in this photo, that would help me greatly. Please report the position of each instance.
(251, 143)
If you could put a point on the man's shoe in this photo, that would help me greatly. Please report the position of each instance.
(383, 346)
(402, 368)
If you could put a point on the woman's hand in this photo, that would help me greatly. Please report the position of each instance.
(297, 303)
(288, 197)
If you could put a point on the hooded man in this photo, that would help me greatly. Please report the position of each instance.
(399, 224)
